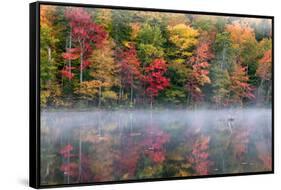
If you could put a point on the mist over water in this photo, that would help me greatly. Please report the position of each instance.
(74, 118)
(137, 144)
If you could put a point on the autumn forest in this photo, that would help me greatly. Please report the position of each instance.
(133, 95)
(112, 58)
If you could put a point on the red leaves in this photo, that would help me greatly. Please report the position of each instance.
(239, 84)
(70, 169)
(71, 54)
(154, 143)
(264, 67)
(67, 74)
(200, 71)
(199, 157)
(129, 156)
(155, 79)
(84, 30)
(157, 157)
(85, 36)
(267, 57)
(77, 14)
(129, 65)
(85, 64)
(98, 35)
(65, 151)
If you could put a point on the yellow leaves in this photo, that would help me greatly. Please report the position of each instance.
(46, 15)
(109, 95)
(135, 30)
(126, 44)
(183, 36)
(175, 156)
(103, 66)
(204, 80)
(183, 173)
(44, 95)
(240, 33)
(103, 17)
(89, 88)
(151, 171)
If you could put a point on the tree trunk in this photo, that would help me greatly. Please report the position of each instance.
(188, 99)
(120, 94)
(223, 58)
(99, 96)
(81, 60)
(81, 67)
(131, 94)
(49, 54)
(70, 44)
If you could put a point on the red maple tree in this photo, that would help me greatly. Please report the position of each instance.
(155, 79)
(85, 34)
(129, 68)
(200, 70)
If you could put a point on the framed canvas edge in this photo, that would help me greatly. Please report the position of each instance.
(34, 96)
(34, 93)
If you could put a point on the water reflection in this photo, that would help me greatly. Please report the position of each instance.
(92, 146)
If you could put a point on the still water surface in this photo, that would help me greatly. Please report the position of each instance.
(94, 146)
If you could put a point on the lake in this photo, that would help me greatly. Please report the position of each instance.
(98, 146)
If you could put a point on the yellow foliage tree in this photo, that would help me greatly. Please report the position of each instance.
(105, 70)
(183, 37)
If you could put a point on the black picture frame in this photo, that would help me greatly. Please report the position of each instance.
(34, 93)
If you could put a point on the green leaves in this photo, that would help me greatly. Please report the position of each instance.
(115, 48)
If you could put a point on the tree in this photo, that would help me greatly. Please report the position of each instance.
(264, 71)
(178, 72)
(240, 33)
(104, 69)
(183, 37)
(200, 70)
(149, 43)
(84, 33)
(246, 48)
(49, 87)
(121, 29)
(103, 17)
(155, 79)
(221, 67)
(220, 85)
(129, 69)
(223, 50)
(240, 87)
